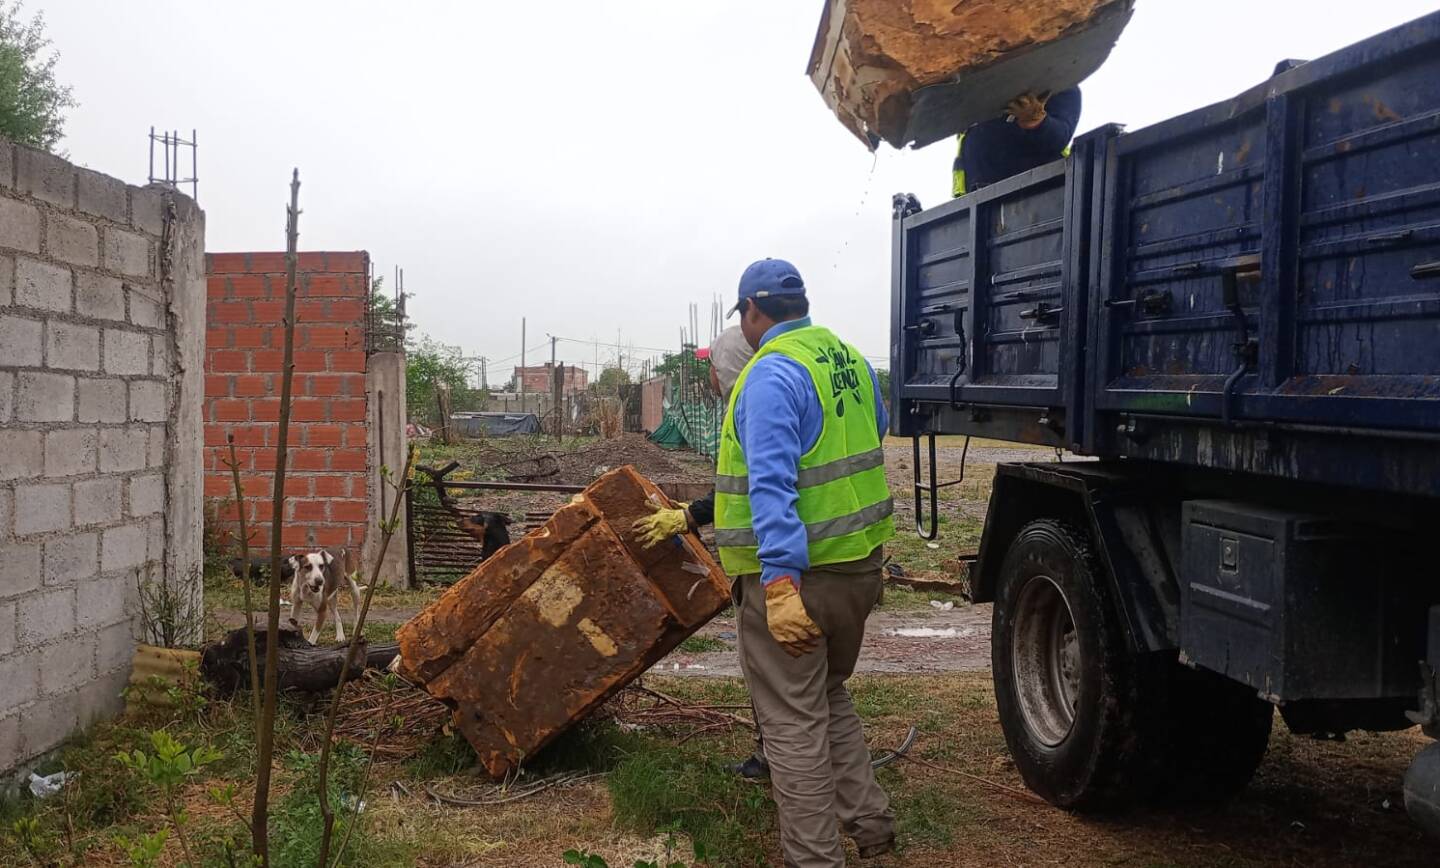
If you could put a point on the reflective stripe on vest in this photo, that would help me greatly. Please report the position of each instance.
(842, 495)
(957, 171)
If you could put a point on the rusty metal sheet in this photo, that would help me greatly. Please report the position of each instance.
(552, 625)
(917, 71)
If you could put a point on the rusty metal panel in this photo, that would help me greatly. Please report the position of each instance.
(554, 624)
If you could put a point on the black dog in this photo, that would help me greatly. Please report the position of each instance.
(491, 528)
(260, 569)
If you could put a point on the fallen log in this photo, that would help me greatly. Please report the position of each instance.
(301, 666)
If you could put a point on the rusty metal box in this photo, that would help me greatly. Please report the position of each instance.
(548, 628)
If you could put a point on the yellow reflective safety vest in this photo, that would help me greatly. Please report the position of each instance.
(843, 498)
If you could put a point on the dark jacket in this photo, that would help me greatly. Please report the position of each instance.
(995, 150)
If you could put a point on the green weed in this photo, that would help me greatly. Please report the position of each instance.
(703, 645)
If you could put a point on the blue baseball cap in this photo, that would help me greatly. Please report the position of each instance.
(766, 278)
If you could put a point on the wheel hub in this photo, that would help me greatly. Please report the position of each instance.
(1047, 660)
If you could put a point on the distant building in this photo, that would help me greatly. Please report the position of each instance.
(540, 378)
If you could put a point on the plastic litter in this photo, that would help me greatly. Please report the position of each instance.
(49, 785)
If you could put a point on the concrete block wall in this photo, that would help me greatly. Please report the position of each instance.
(100, 386)
(329, 485)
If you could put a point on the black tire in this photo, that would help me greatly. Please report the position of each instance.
(1103, 758)
(1217, 734)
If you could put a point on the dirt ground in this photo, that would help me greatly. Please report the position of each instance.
(1313, 803)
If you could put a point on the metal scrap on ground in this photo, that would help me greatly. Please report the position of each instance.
(547, 629)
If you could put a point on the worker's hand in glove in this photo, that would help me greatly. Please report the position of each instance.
(660, 525)
(1028, 110)
(789, 623)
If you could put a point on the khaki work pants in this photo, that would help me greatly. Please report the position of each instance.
(819, 765)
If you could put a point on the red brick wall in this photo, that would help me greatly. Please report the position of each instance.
(540, 378)
(327, 479)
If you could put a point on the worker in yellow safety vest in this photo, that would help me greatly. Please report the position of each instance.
(1036, 129)
(801, 511)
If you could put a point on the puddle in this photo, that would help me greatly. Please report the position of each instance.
(931, 632)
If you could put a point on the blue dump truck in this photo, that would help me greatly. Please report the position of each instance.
(1235, 314)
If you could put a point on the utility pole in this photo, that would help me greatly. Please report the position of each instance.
(484, 383)
(556, 399)
(521, 384)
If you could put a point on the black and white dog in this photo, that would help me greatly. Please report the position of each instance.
(318, 577)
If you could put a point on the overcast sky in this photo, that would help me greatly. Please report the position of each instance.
(593, 166)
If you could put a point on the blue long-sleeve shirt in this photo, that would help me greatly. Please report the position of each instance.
(995, 150)
(778, 418)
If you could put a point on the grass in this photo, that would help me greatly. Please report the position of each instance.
(899, 599)
(703, 645)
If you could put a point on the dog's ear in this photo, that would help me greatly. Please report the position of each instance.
(291, 564)
(327, 557)
(503, 518)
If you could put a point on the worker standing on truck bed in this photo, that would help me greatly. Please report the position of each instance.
(801, 510)
(1035, 130)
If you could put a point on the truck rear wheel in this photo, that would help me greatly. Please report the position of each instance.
(1069, 692)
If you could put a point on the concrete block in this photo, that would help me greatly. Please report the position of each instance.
(126, 352)
(7, 511)
(102, 195)
(45, 176)
(45, 616)
(7, 628)
(127, 252)
(148, 401)
(42, 285)
(100, 400)
(10, 755)
(160, 355)
(101, 601)
(71, 558)
(148, 210)
(122, 449)
(70, 452)
(20, 344)
(72, 347)
(7, 396)
(19, 569)
(147, 494)
(155, 454)
(101, 699)
(20, 673)
(68, 665)
(155, 539)
(97, 501)
(7, 165)
(99, 296)
(122, 548)
(116, 646)
(7, 281)
(73, 241)
(48, 723)
(42, 508)
(21, 454)
(19, 226)
(44, 397)
(146, 311)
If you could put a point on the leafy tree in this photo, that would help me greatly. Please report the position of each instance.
(611, 379)
(428, 362)
(32, 102)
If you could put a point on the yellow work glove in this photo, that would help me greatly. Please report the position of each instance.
(1028, 110)
(789, 623)
(660, 525)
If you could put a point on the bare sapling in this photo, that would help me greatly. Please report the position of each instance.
(260, 815)
(234, 465)
(388, 527)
